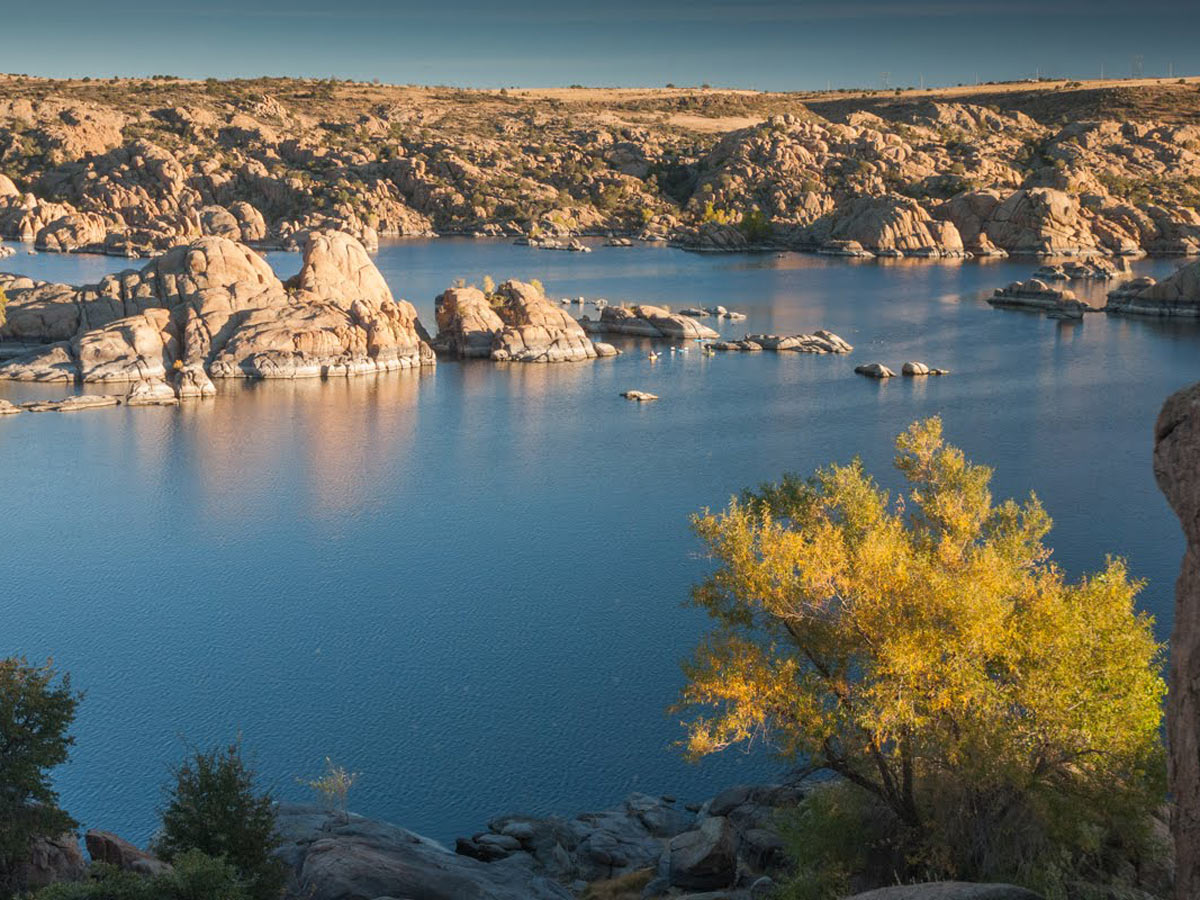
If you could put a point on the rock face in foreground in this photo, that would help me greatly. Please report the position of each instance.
(1177, 469)
(949, 890)
(215, 307)
(353, 858)
(1178, 295)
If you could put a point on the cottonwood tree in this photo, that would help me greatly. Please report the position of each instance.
(37, 707)
(926, 651)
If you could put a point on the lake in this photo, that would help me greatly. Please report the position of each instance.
(468, 584)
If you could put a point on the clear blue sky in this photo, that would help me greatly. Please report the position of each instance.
(766, 44)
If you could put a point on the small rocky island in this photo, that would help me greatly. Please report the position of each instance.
(215, 309)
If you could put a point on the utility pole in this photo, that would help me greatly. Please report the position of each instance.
(922, 81)
(883, 79)
(1135, 66)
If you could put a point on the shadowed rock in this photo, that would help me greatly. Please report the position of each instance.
(1177, 470)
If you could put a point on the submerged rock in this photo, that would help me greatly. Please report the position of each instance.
(639, 396)
(73, 404)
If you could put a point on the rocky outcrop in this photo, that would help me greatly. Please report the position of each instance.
(351, 858)
(216, 308)
(516, 323)
(648, 321)
(467, 324)
(50, 861)
(1177, 470)
(536, 330)
(1178, 295)
(818, 342)
(1037, 295)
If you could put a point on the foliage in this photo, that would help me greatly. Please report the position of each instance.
(489, 285)
(928, 652)
(37, 707)
(334, 786)
(3, 306)
(538, 286)
(213, 807)
(194, 876)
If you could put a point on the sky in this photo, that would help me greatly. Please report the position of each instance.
(760, 44)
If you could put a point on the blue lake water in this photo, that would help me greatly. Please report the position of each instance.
(467, 584)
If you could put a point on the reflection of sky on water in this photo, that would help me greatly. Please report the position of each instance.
(467, 583)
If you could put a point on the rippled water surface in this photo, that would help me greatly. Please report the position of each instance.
(467, 584)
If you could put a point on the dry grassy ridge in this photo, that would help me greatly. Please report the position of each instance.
(131, 166)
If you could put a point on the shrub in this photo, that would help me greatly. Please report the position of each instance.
(37, 707)
(334, 786)
(212, 806)
(194, 876)
(3, 306)
(1003, 719)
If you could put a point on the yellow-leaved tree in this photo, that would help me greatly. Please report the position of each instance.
(1002, 719)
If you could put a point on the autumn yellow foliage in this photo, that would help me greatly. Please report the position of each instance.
(927, 650)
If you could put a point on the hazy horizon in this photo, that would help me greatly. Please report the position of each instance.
(765, 45)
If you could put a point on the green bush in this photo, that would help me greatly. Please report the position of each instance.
(213, 807)
(194, 876)
(36, 709)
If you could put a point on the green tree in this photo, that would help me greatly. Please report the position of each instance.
(193, 876)
(925, 651)
(213, 807)
(37, 707)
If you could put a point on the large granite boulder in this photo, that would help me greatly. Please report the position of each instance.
(896, 225)
(128, 349)
(50, 861)
(106, 847)
(536, 330)
(706, 857)
(467, 324)
(1177, 469)
(336, 857)
(649, 321)
(1042, 221)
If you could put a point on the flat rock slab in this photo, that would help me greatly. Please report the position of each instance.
(639, 396)
(72, 404)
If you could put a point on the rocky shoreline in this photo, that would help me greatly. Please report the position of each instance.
(726, 848)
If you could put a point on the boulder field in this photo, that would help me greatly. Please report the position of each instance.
(134, 167)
